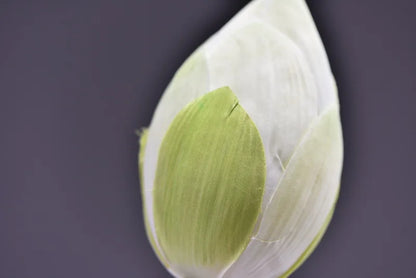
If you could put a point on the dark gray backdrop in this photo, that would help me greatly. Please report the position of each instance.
(78, 77)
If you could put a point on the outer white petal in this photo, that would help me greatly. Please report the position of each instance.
(293, 19)
(300, 205)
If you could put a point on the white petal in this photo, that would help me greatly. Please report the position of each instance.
(300, 205)
(292, 17)
(271, 78)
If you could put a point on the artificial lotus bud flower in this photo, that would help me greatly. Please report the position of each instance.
(240, 167)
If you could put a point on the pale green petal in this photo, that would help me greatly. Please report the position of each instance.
(209, 185)
(143, 141)
(311, 246)
(301, 204)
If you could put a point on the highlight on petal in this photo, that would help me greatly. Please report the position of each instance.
(209, 185)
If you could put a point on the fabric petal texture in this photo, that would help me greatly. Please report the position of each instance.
(209, 185)
(240, 167)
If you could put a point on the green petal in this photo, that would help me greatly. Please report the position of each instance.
(143, 141)
(209, 185)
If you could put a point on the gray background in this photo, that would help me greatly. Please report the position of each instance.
(78, 77)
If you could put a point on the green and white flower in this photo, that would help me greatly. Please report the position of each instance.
(240, 167)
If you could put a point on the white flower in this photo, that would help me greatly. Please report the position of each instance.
(241, 164)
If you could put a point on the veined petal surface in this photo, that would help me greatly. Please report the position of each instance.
(209, 185)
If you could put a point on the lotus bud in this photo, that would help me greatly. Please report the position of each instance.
(240, 167)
